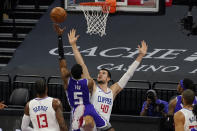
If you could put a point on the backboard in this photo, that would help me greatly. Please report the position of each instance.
(133, 6)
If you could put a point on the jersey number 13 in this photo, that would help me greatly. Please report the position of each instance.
(42, 121)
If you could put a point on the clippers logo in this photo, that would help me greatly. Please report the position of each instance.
(192, 119)
(105, 100)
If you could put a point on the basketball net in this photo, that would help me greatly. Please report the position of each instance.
(96, 19)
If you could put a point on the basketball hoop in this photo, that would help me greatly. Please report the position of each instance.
(97, 17)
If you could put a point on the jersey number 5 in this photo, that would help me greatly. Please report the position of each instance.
(42, 121)
(78, 97)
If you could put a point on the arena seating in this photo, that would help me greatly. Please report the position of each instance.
(128, 102)
(19, 98)
(5, 87)
(165, 90)
(56, 90)
(26, 81)
(22, 19)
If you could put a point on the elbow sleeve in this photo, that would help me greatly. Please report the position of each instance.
(125, 78)
(25, 123)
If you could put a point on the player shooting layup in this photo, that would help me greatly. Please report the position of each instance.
(78, 88)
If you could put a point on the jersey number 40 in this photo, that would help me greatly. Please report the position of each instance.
(104, 108)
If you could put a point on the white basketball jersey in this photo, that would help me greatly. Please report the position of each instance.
(190, 119)
(42, 114)
(103, 102)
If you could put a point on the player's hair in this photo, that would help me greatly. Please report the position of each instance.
(195, 110)
(188, 95)
(188, 84)
(108, 72)
(76, 71)
(40, 87)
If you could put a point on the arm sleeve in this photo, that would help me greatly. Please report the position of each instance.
(60, 48)
(25, 123)
(125, 78)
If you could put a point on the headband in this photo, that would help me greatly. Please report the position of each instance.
(181, 83)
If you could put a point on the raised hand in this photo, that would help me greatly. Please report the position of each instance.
(72, 37)
(143, 48)
(58, 30)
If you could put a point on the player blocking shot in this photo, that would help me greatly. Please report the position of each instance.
(78, 88)
(44, 112)
(102, 95)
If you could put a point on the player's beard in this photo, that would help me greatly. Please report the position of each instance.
(101, 82)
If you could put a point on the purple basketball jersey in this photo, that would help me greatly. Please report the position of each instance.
(78, 92)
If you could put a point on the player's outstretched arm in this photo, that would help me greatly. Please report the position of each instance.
(65, 74)
(26, 119)
(79, 59)
(57, 106)
(179, 121)
(62, 62)
(117, 87)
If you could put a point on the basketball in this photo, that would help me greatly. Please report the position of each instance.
(58, 15)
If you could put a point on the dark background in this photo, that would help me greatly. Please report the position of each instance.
(123, 30)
